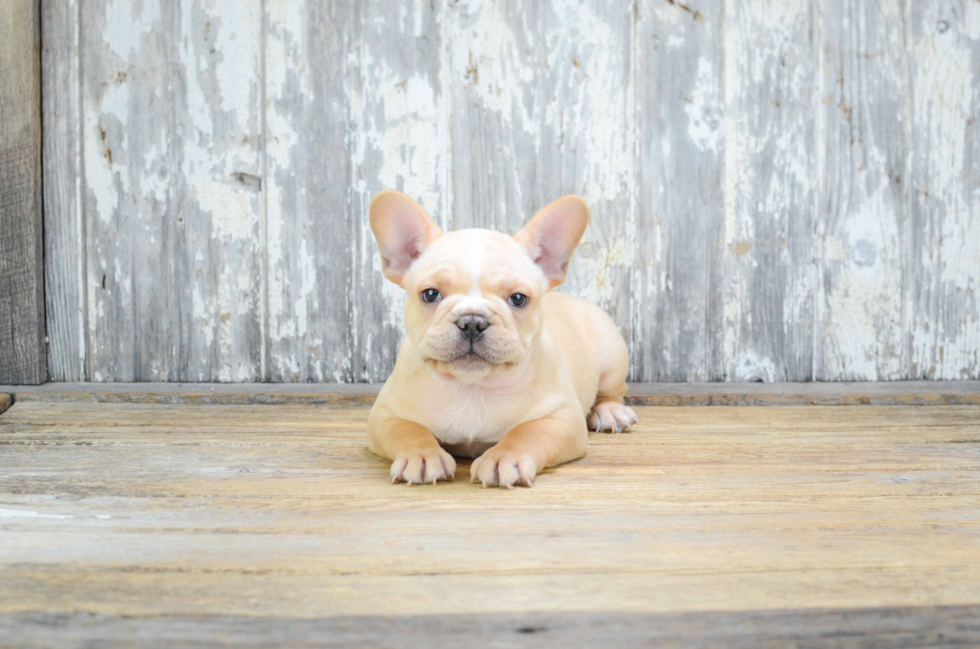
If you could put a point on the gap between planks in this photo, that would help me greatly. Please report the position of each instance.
(903, 393)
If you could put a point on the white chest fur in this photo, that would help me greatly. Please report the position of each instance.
(467, 414)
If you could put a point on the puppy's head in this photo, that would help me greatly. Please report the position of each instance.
(474, 296)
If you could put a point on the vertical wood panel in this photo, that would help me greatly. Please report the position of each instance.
(171, 139)
(127, 115)
(23, 358)
(769, 189)
(308, 174)
(215, 216)
(64, 240)
(944, 248)
(863, 205)
(399, 139)
(677, 328)
(541, 107)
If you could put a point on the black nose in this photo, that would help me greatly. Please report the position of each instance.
(472, 326)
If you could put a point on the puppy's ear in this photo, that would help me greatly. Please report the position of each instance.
(403, 231)
(551, 236)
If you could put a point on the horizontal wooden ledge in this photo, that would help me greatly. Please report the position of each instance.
(899, 393)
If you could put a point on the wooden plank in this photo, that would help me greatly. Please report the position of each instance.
(865, 137)
(216, 208)
(64, 236)
(307, 189)
(23, 357)
(128, 172)
(770, 187)
(677, 323)
(542, 107)
(871, 628)
(172, 144)
(724, 521)
(905, 393)
(943, 309)
(349, 394)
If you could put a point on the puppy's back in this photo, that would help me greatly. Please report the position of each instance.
(589, 340)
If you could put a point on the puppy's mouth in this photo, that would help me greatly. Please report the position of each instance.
(469, 360)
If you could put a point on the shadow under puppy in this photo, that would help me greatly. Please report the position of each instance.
(494, 365)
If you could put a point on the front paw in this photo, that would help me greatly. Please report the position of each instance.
(611, 417)
(422, 465)
(502, 468)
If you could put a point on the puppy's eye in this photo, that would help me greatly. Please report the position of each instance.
(517, 299)
(431, 295)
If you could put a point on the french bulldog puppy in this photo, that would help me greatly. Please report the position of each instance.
(494, 365)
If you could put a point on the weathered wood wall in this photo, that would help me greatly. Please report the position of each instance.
(23, 358)
(782, 190)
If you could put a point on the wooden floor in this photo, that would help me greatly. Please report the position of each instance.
(139, 524)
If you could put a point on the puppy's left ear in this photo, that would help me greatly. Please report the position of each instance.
(403, 231)
(551, 236)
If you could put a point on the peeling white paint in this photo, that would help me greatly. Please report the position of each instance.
(127, 23)
(704, 108)
(212, 184)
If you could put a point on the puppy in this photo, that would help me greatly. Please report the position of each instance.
(494, 366)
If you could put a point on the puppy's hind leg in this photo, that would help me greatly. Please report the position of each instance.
(609, 414)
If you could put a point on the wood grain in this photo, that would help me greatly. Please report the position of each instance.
(943, 311)
(770, 69)
(904, 393)
(868, 628)
(864, 152)
(172, 140)
(796, 518)
(23, 357)
(64, 236)
(307, 191)
(678, 281)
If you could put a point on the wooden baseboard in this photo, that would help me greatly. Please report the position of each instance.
(903, 393)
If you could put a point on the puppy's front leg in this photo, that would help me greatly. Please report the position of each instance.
(529, 448)
(416, 455)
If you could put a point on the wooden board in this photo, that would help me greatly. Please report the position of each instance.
(23, 358)
(943, 309)
(904, 393)
(869, 628)
(770, 68)
(64, 223)
(132, 518)
(863, 154)
(676, 325)
(779, 191)
(172, 137)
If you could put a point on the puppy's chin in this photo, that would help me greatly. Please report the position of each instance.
(469, 368)
(471, 365)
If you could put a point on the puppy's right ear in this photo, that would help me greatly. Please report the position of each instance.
(403, 231)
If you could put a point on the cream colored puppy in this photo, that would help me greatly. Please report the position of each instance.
(493, 366)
